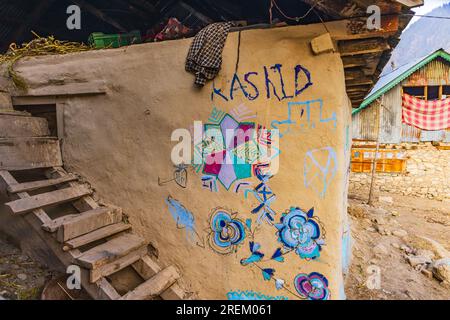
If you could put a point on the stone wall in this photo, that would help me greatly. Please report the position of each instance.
(427, 175)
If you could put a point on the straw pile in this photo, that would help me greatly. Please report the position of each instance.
(37, 47)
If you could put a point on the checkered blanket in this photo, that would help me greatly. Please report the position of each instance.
(204, 58)
(426, 115)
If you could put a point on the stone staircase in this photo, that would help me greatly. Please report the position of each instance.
(91, 236)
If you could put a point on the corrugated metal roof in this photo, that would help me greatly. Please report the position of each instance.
(390, 80)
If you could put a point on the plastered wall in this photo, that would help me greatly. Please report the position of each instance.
(217, 229)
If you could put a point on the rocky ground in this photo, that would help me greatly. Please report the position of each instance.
(404, 240)
(20, 277)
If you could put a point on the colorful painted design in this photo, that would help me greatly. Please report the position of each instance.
(227, 232)
(230, 148)
(320, 167)
(312, 287)
(301, 232)
(252, 295)
(265, 196)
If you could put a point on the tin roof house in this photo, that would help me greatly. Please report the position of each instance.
(427, 79)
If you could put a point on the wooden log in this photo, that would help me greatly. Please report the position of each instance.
(113, 267)
(29, 153)
(34, 185)
(365, 46)
(87, 222)
(154, 286)
(110, 251)
(47, 199)
(101, 233)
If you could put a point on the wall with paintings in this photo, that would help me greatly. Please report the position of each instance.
(269, 221)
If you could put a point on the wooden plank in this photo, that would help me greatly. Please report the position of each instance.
(87, 222)
(147, 268)
(154, 286)
(12, 112)
(19, 126)
(365, 46)
(39, 213)
(109, 251)
(101, 233)
(117, 265)
(48, 199)
(54, 224)
(34, 185)
(29, 153)
(86, 203)
(92, 87)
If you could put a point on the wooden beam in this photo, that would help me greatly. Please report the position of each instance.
(92, 87)
(336, 8)
(47, 199)
(29, 153)
(119, 264)
(99, 14)
(34, 185)
(154, 286)
(12, 126)
(110, 251)
(87, 222)
(358, 47)
(411, 3)
(353, 74)
(101, 233)
(359, 82)
(147, 268)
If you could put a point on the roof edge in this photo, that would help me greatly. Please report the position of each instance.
(438, 53)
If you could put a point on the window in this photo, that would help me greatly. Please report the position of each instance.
(418, 92)
(445, 92)
(428, 92)
(433, 93)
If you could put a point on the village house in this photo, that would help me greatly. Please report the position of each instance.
(411, 160)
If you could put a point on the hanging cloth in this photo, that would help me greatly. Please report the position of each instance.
(426, 115)
(204, 58)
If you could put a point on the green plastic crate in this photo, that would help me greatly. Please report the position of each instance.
(100, 40)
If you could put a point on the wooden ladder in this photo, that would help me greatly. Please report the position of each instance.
(95, 238)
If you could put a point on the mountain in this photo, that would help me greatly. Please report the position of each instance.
(423, 37)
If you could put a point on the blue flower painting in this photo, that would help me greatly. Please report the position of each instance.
(301, 232)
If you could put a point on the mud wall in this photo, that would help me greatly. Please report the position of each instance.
(121, 143)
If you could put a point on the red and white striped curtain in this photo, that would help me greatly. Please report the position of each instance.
(426, 115)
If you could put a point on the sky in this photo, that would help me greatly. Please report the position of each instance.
(427, 7)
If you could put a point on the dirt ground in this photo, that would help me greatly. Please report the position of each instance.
(392, 237)
(20, 277)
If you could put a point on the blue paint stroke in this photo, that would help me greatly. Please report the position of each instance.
(305, 108)
(182, 217)
(252, 295)
(316, 175)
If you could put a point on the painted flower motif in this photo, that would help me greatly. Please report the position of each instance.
(313, 286)
(226, 233)
(301, 232)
